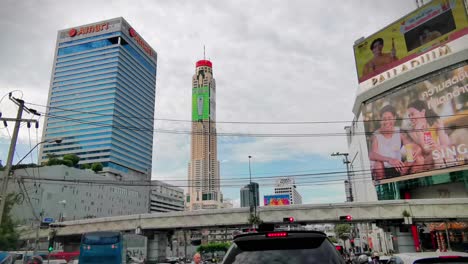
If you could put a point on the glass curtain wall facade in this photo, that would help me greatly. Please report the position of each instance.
(102, 98)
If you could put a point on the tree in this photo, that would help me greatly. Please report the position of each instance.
(73, 158)
(52, 160)
(97, 166)
(67, 163)
(254, 220)
(85, 166)
(343, 231)
(8, 234)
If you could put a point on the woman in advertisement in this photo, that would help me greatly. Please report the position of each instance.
(428, 132)
(379, 59)
(386, 148)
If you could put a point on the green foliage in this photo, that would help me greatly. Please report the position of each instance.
(67, 163)
(214, 247)
(54, 161)
(97, 166)
(254, 220)
(333, 239)
(73, 158)
(85, 166)
(343, 231)
(8, 234)
(406, 213)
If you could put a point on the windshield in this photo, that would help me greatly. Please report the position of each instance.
(453, 260)
(101, 238)
(283, 251)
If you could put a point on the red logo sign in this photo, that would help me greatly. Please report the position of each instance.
(72, 32)
(132, 32)
(88, 29)
(140, 41)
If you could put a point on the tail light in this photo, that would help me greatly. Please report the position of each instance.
(277, 234)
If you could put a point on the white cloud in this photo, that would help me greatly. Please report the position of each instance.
(274, 61)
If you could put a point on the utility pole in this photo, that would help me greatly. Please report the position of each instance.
(251, 198)
(11, 152)
(36, 241)
(346, 161)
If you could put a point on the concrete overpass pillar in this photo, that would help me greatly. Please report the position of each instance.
(157, 244)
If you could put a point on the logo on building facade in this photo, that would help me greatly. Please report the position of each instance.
(88, 29)
(140, 41)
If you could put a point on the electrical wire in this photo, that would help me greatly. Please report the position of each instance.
(238, 122)
(25, 193)
(361, 175)
(232, 134)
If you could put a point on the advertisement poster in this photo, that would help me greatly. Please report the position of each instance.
(420, 127)
(276, 200)
(200, 103)
(436, 23)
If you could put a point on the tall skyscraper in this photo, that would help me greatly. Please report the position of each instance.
(102, 97)
(249, 195)
(203, 169)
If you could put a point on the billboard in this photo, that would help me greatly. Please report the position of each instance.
(200, 103)
(420, 127)
(276, 200)
(434, 24)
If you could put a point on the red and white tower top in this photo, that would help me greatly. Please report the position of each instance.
(201, 63)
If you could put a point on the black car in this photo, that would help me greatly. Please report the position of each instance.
(283, 247)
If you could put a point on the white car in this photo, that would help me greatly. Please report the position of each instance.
(429, 257)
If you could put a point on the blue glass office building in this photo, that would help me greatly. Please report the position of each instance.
(102, 98)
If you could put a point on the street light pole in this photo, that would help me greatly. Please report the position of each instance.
(250, 187)
(346, 161)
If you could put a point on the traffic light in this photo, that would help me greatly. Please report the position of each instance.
(288, 220)
(51, 245)
(346, 218)
(51, 241)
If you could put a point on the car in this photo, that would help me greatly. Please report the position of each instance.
(429, 257)
(282, 247)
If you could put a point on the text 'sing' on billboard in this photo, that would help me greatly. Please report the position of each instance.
(419, 129)
(438, 23)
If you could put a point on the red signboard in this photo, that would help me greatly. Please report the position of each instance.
(88, 29)
(140, 41)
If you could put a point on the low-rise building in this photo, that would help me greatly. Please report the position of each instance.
(66, 193)
(165, 197)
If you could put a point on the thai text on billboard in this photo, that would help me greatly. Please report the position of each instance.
(420, 127)
(436, 23)
(276, 200)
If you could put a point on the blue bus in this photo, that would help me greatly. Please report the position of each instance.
(108, 247)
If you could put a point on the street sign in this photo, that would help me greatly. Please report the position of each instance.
(48, 220)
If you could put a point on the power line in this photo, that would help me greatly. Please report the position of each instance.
(240, 122)
(318, 178)
(233, 134)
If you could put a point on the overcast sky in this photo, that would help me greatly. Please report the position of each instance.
(273, 61)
